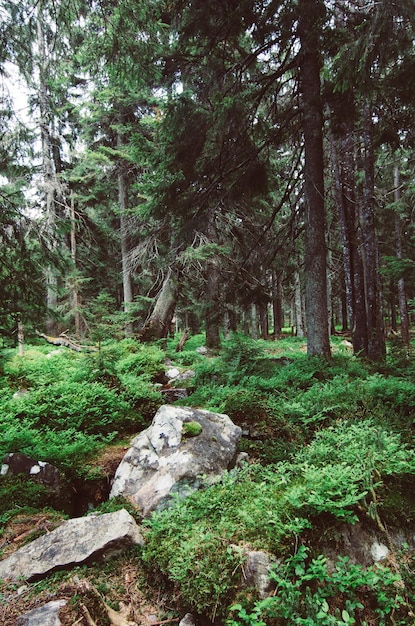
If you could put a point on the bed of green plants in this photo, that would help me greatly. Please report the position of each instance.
(329, 443)
(63, 407)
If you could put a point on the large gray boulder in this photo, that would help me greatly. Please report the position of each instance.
(76, 541)
(181, 450)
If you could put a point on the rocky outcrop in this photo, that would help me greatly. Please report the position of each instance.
(181, 450)
(76, 541)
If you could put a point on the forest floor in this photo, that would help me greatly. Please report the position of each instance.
(85, 603)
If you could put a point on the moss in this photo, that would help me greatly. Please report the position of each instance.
(191, 429)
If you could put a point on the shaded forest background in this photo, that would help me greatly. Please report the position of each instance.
(225, 165)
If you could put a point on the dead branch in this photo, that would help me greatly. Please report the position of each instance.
(87, 616)
(185, 336)
(64, 340)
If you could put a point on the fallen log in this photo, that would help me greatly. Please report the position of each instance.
(64, 340)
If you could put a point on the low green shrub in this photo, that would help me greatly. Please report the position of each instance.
(194, 542)
(143, 400)
(146, 360)
(338, 474)
(41, 366)
(68, 449)
(363, 444)
(19, 493)
(344, 465)
(200, 543)
(87, 407)
(272, 435)
(195, 341)
(391, 395)
(187, 358)
(307, 593)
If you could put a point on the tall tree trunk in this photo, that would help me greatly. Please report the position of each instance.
(403, 305)
(298, 306)
(374, 304)
(48, 172)
(343, 151)
(74, 286)
(126, 273)
(330, 308)
(213, 311)
(310, 13)
(263, 320)
(158, 324)
(392, 305)
(277, 312)
(344, 312)
(20, 337)
(254, 321)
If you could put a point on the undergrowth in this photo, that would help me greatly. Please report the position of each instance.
(329, 442)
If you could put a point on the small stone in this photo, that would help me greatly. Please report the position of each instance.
(379, 551)
(172, 373)
(188, 620)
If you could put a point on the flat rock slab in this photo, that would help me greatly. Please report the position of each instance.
(79, 540)
(183, 449)
(46, 615)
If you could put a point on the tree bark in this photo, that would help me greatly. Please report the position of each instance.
(403, 305)
(277, 312)
(374, 305)
(48, 172)
(254, 321)
(158, 324)
(74, 287)
(20, 337)
(310, 12)
(213, 311)
(126, 274)
(298, 306)
(344, 166)
(263, 320)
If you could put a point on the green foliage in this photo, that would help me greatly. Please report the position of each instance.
(67, 449)
(143, 400)
(145, 359)
(71, 404)
(308, 593)
(392, 394)
(115, 504)
(364, 445)
(187, 358)
(340, 471)
(344, 465)
(240, 354)
(90, 408)
(41, 366)
(18, 493)
(196, 542)
(327, 436)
